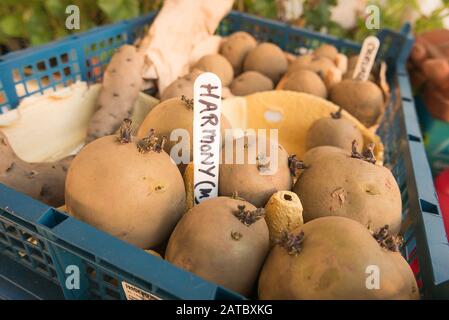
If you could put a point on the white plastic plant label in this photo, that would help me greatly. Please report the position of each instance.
(366, 59)
(206, 136)
(135, 293)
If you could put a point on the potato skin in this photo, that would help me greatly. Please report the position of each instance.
(268, 59)
(250, 82)
(306, 81)
(326, 50)
(182, 86)
(325, 68)
(334, 132)
(363, 99)
(334, 184)
(217, 64)
(133, 196)
(300, 62)
(202, 243)
(236, 47)
(246, 179)
(332, 264)
(319, 65)
(170, 115)
(43, 181)
(122, 80)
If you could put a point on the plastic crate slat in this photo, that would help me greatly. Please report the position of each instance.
(423, 175)
(17, 282)
(433, 245)
(438, 247)
(25, 210)
(124, 257)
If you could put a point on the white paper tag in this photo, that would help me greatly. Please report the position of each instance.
(135, 293)
(366, 59)
(206, 136)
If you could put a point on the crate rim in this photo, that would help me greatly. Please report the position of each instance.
(405, 30)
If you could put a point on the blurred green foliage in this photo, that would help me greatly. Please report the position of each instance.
(434, 20)
(395, 12)
(32, 22)
(263, 8)
(317, 15)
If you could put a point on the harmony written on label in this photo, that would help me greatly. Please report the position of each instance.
(206, 136)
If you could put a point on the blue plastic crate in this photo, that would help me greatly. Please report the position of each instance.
(105, 261)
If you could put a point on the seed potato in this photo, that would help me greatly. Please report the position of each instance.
(250, 82)
(306, 81)
(333, 259)
(217, 64)
(213, 243)
(334, 131)
(172, 114)
(268, 59)
(363, 99)
(336, 184)
(252, 180)
(182, 86)
(236, 47)
(135, 196)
